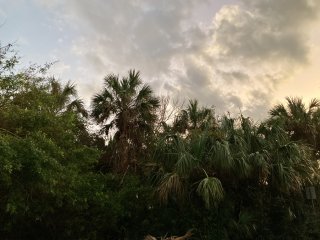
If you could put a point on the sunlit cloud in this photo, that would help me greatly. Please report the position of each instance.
(237, 57)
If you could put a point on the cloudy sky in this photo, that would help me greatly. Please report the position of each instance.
(232, 54)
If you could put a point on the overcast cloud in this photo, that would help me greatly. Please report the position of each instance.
(232, 58)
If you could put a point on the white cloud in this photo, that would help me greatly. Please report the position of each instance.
(234, 62)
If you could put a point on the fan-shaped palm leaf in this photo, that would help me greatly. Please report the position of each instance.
(222, 157)
(211, 191)
(171, 185)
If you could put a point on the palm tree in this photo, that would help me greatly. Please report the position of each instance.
(66, 98)
(194, 117)
(128, 108)
(235, 164)
(298, 119)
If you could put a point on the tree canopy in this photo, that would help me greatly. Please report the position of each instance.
(199, 176)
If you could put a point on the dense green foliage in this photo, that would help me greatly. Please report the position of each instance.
(222, 177)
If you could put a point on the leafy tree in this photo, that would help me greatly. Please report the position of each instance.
(44, 161)
(229, 178)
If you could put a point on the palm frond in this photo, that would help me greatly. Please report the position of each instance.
(134, 79)
(313, 105)
(78, 106)
(296, 107)
(211, 191)
(144, 94)
(244, 226)
(200, 146)
(260, 161)
(279, 111)
(241, 167)
(111, 82)
(186, 162)
(171, 185)
(69, 90)
(222, 157)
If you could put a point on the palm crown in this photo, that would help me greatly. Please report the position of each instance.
(127, 107)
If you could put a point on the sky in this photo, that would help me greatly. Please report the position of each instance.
(236, 55)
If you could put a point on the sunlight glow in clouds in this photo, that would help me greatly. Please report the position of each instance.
(236, 54)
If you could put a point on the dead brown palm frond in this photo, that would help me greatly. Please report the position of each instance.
(184, 237)
(171, 184)
(149, 237)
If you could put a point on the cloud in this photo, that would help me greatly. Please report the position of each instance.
(265, 30)
(234, 61)
(258, 44)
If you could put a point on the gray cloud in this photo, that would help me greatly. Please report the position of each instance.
(265, 41)
(136, 33)
(266, 30)
(235, 101)
(233, 62)
(233, 76)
